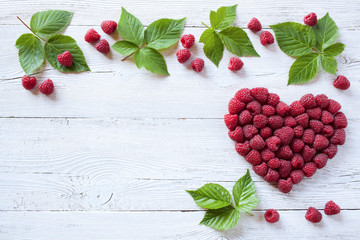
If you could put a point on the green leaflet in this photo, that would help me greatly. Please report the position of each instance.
(304, 68)
(213, 47)
(326, 32)
(335, 49)
(223, 17)
(151, 59)
(130, 28)
(221, 219)
(328, 63)
(124, 47)
(211, 196)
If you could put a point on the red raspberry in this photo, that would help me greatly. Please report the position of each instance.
(266, 132)
(322, 101)
(268, 110)
(327, 131)
(331, 208)
(273, 143)
(244, 95)
(261, 169)
(108, 26)
(267, 155)
(276, 122)
(289, 121)
(341, 82)
(298, 131)
(65, 59)
(47, 87)
(231, 121)
(296, 145)
(245, 117)
(253, 157)
(183, 55)
(285, 186)
(28, 82)
(320, 142)
(272, 176)
(331, 150)
(103, 46)
(92, 36)
(334, 106)
(326, 117)
(260, 94)
(260, 121)
(308, 136)
(285, 168)
(340, 120)
(271, 216)
(310, 19)
(197, 65)
(320, 160)
(254, 25)
(254, 107)
(274, 163)
(286, 134)
(302, 120)
(308, 153)
(308, 101)
(296, 108)
(257, 142)
(187, 40)
(250, 131)
(309, 169)
(235, 106)
(316, 125)
(243, 148)
(235, 64)
(297, 176)
(284, 152)
(338, 137)
(314, 113)
(266, 38)
(282, 108)
(273, 99)
(237, 135)
(297, 161)
(313, 215)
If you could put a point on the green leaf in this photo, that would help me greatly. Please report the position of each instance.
(335, 49)
(328, 63)
(50, 22)
(326, 32)
(244, 193)
(211, 196)
(151, 59)
(223, 17)
(213, 47)
(130, 28)
(304, 68)
(31, 52)
(56, 45)
(163, 33)
(294, 39)
(124, 47)
(237, 42)
(221, 219)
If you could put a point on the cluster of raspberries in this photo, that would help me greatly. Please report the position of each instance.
(93, 36)
(266, 38)
(284, 142)
(29, 83)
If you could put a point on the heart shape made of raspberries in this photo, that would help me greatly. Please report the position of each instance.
(284, 142)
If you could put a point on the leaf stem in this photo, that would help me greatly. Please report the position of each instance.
(205, 25)
(250, 213)
(30, 29)
(127, 57)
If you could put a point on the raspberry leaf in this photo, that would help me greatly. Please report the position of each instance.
(326, 32)
(124, 47)
(335, 49)
(221, 219)
(130, 28)
(31, 52)
(164, 33)
(213, 47)
(56, 45)
(50, 22)
(328, 63)
(223, 17)
(151, 59)
(237, 42)
(211, 196)
(294, 39)
(304, 68)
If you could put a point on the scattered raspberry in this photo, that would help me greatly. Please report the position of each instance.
(302, 120)
(341, 82)
(257, 142)
(284, 152)
(322, 101)
(244, 95)
(334, 106)
(197, 65)
(65, 59)
(285, 186)
(92, 36)
(313, 215)
(183, 55)
(298, 131)
(297, 161)
(267, 155)
(47, 87)
(308, 101)
(266, 132)
(327, 131)
(273, 99)
(253, 157)
(338, 137)
(231, 121)
(268, 110)
(308, 153)
(254, 107)
(235, 106)
(296, 108)
(286, 134)
(289, 121)
(316, 126)
(282, 108)
(103, 46)
(245, 117)
(274, 163)
(320, 142)
(309, 169)
(331, 208)
(260, 121)
(260, 94)
(331, 150)
(326, 117)
(297, 176)
(254, 25)
(28, 82)
(250, 131)
(320, 160)
(314, 113)
(310, 19)
(235, 64)
(187, 40)
(340, 120)
(266, 38)
(243, 148)
(296, 145)
(285, 168)
(261, 169)
(237, 135)
(276, 122)
(271, 216)
(273, 143)
(108, 26)
(308, 136)
(272, 176)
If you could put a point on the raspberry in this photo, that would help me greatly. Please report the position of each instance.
(260, 94)
(273, 143)
(331, 208)
(322, 101)
(308, 101)
(289, 121)
(298, 131)
(316, 126)
(65, 59)
(231, 121)
(296, 145)
(235, 106)
(284, 152)
(261, 169)
(254, 107)
(267, 155)
(183, 55)
(286, 134)
(340, 120)
(331, 150)
(271, 216)
(266, 132)
(108, 26)
(326, 117)
(314, 113)
(92, 36)
(302, 120)
(249, 131)
(297, 176)
(47, 87)
(237, 135)
(266, 38)
(338, 137)
(274, 163)
(309, 169)
(28, 82)
(285, 168)
(272, 176)
(260, 121)
(327, 131)
(273, 99)
(103, 46)
(334, 106)
(313, 215)
(257, 142)
(187, 40)
(320, 142)
(308, 153)
(245, 117)
(320, 160)
(310, 19)
(285, 186)
(253, 157)
(282, 108)
(243, 148)
(341, 82)
(268, 110)
(197, 65)
(308, 136)
(244, 95)
(276, 122)
(296, 108)
(235, 64)
(254, 25)
(297, 161)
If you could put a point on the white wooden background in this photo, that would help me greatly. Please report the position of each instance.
(110, 153)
